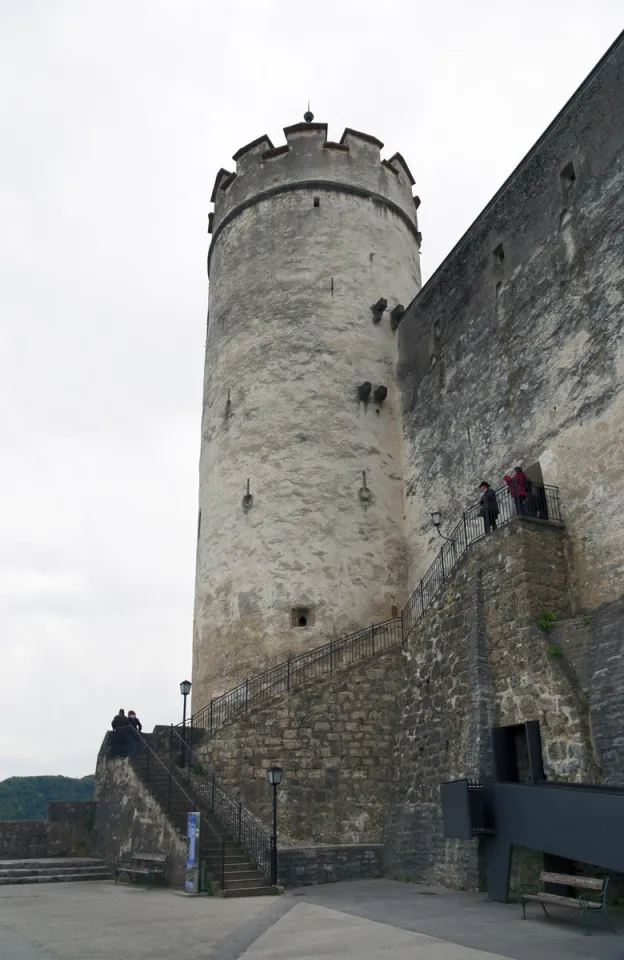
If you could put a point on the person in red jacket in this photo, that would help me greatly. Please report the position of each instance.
(518, 488)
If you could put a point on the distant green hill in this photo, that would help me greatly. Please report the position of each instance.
(26, 798)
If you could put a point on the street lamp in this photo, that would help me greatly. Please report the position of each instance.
(185, 689)
(274, 775)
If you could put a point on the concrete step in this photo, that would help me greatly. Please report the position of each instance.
(52, 871)
(250, 892)
(246, 883)
(242, 876)
(64, 877)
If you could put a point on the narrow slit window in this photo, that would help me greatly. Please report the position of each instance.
(499, 255)
(568, 175)
(317, 201)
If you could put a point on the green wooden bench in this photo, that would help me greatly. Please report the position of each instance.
(142, 864)
(598, 904)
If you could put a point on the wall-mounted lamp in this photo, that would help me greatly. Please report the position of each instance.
(247, 499)
(436, 518)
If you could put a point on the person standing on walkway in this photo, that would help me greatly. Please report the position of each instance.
(134, 728)
(121, 729)
(489, 506)
(517, 486)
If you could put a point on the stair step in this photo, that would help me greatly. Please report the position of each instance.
(242, 876)
(250, 892)
(52, 871)
(246, 883)
(55, 878)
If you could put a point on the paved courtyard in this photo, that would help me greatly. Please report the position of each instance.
(376, 919)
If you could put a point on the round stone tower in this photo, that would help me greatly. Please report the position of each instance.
(314, 253)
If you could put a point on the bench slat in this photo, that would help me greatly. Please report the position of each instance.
(156, 857)
(563, 879)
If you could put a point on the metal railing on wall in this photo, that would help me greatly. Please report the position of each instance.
(240, 827)
(542, 502)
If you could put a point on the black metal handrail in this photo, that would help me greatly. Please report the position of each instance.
(170, 794)
(541, 503)
(230, 813)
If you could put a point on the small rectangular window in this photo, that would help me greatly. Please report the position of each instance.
(317, 201)
(301, 617)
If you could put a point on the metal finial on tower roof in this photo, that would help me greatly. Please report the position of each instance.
(308, 115)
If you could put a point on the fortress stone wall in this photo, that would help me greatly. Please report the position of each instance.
(513, 352)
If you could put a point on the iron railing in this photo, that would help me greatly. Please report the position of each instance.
(542, 503)
(177, 803)
(297, 670)
(231, 815)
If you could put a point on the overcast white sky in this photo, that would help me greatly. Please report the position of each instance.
(115, 117)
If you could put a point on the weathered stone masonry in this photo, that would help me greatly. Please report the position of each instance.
(477, 659)
(513, 352)
(364, 750)
(334, 740)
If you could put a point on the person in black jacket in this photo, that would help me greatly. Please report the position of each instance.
(119, 737)
(119, 720)
(134, 728)
(489, 506)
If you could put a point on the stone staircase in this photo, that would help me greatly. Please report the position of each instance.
(170, 789)
(53, 870)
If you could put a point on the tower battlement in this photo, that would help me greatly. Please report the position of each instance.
(308, 159)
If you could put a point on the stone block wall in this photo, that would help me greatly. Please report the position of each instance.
(593, 645)
(478, 659)
(128, 818)
(304, 866)
(23, 839)
(333, 739)
(65, 833)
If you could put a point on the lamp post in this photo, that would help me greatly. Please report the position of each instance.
(185, 689)
(274, 775)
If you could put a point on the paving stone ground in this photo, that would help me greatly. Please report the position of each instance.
(380, 920)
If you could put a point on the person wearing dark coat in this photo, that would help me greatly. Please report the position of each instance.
(134, 729)
(134, 721)
(489, 506)
(119, 737)
(120, 720)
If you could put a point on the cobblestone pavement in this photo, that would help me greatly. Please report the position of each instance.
(376, 919)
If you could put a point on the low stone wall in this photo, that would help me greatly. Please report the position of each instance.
(128, 818)
(70, 826)
(66, 833)
(304, 866)
(23, 839)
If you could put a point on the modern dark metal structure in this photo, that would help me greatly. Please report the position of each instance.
(565, 821)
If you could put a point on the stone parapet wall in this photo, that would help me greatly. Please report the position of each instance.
(23, 839)
(304, 866)
(65, 833)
